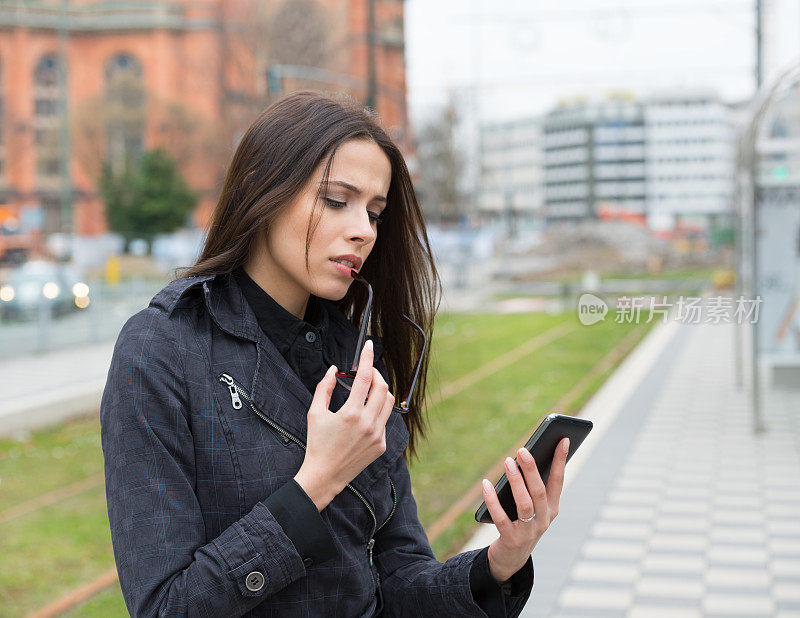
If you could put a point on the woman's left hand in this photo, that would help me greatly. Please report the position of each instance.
(511, 551)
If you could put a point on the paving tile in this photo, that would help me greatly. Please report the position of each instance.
(787, 592)
(619, 550)
(739, 604)
(596, 598)
(731, 516)
(669, 587)
(783, 527)
(634, 497)
(732, 554)
(595, 570)
(627, 513)
(738, 535)
(781, 547)
(783, 510)
(685, 506)
(678, 542)
(682, 523)
(630, 530)
(726, 577)
(784, 567)
(671, 563)
(659, 611)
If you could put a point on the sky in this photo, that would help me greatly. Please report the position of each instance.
(505, 59)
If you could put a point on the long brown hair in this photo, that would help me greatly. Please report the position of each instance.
(273, 162)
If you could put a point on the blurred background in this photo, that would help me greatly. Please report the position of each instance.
(642, 148)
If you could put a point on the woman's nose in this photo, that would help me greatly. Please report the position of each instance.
(363, 228)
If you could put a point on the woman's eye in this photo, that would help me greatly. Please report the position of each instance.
(375, 218)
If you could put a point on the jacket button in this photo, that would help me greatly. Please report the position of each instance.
(311, 337)
(308, 561)
(254, 581)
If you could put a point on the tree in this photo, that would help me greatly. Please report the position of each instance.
(147, 198)
(441, 166)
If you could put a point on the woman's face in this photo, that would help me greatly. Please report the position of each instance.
(354, 195)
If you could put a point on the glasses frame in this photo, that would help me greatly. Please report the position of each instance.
(403, 408)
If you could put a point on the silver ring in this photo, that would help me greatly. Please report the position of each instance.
(528, 519)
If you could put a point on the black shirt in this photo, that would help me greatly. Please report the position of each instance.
(303, 344)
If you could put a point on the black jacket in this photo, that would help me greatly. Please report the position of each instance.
(203, 428)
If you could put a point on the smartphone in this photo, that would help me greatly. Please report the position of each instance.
(542, 446)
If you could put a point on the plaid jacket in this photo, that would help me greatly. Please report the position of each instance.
(201, 420)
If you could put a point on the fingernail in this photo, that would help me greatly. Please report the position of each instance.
(331, 369)
(525, 454)
(566, 445)
(510, 464)
(487, 486)
(368, 344)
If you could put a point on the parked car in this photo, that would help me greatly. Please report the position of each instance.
(40, 282)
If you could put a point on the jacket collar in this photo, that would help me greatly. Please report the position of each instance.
(274, 382)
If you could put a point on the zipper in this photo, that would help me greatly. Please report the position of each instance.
(236, 391)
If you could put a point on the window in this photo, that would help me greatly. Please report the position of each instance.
(46, 115)
(126, 121)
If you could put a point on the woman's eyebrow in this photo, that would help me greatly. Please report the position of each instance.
(354, 189)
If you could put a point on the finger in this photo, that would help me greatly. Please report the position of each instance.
(555, 482)
(377, 394)
(324, 390)
(518, 489)
(533, 481)
(363, 378)
(499, 517)
(386, 411)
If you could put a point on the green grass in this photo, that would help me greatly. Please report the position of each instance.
(57, 548)
(49, 460)
(54, 550)
(107, 603)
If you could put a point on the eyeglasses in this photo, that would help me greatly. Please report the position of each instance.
(345, 378)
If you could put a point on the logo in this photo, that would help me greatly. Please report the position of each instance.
(591, 309)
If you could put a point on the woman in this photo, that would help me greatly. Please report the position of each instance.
(249, 470)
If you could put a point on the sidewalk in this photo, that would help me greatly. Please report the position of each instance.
(678, 509)
(41, 389)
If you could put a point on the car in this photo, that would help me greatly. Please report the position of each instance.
(39, 284)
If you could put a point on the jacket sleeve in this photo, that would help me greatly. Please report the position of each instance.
(166, 565)
(413, 582)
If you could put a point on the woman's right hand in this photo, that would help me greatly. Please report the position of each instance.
(340, 445)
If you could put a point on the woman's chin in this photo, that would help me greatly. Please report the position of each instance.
(334, 292)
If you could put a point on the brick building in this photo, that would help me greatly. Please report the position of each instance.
(185, 75)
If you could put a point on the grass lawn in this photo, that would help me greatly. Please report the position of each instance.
(55, 548)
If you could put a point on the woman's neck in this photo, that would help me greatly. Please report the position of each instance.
(293, 300)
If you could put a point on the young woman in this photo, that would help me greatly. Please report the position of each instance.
(253, 446)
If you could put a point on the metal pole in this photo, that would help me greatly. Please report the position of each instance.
(372, 85)
(755, 389)
(759, 44)
(64, 133)
(738, 289)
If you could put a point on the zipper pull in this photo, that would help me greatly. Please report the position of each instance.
(370, 545)
(236, 402)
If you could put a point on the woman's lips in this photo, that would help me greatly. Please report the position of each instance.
(344, 270)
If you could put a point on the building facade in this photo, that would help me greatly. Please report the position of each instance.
(665, 161)
(96, 82)
(512, 170)
(594, 159)
(690, 160)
